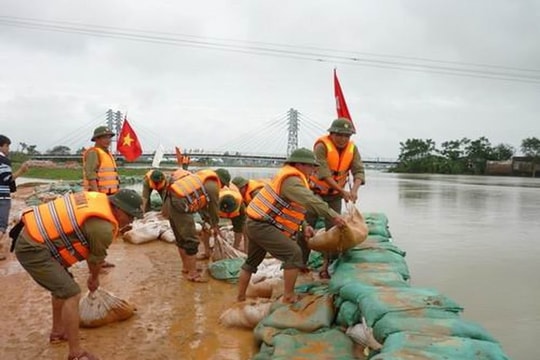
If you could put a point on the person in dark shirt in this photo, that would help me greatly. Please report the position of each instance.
(7, 186)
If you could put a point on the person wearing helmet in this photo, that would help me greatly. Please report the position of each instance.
(153, 180)
(53, 236)
(249, 188)
(196, 192)
(100, 172)
(231, 207)
(275, 216)
(340, 159)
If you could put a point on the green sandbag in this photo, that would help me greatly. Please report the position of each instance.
(373, 256)
(375, 304)
(378, 239)
(310, 313)
(344, 270)
(378, 229)
(327, 344)
(226, 269)
(348, 314)
(404, 345)
(351, 275)
(352, 291)
(396, 322)
(372, 242)
(375, 218)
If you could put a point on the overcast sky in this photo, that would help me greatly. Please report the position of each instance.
(64, 63)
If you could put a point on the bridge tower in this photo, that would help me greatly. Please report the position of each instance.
(292, 142)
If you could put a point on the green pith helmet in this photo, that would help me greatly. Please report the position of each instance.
(227, 203)
(129, 201)
(101, 131)
(224, 176)
(157, 176)
(302, 156)
(341, 126)
(239, 181)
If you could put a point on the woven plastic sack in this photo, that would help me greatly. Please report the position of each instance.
(404, 345)
(351, 285)
(375, 304)
(246, 314)
(340, 239)
(408, 321)
(100, 307)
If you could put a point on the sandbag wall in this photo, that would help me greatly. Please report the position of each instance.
(371, 282)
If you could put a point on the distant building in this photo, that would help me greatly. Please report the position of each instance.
(518, 166)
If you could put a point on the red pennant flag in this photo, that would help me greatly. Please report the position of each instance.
(128, 143)
(341, 105)
(179, 156)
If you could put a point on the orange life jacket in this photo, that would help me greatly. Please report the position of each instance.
(191, 188)
(268, 205)
(107, 173)
(180, 173)
(238, 202)
(63, 217)
(252, 187)
(339, 163)
(158, 186)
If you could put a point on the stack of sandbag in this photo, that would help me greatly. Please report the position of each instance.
(100, 307)
(340, 239)
(246, 314)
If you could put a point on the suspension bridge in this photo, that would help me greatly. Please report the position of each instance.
(265, 145)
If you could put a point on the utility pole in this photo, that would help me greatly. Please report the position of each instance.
(292, 142)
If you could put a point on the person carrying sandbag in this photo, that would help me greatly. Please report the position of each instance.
(275, 216)
(53, 236)
(338, 157)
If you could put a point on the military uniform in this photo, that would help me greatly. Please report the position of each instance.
(36, 258)
(265, 237)
(182, 220)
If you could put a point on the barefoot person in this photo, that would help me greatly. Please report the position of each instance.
(53, 236)
(7, 186)
(197, 192)
(275, 216)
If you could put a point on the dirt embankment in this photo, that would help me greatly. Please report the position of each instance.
(175, 319)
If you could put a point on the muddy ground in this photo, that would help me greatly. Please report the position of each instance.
(175, 319)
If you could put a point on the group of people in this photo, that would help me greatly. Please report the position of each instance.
(273, 216)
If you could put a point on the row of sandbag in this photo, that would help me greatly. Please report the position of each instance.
(307, 329)
(373, 292)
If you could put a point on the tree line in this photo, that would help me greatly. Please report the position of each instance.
(463, 156)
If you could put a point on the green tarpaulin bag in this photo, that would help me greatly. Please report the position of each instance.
(398, 321)
(375, 304)
(327, 344)
(348, 314)
(226, 269)
(309, 314)
(405, 345)
(373, 242)
(353, 276)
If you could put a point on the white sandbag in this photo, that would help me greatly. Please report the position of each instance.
(269, 288)
(100, 307)
(142, 232)
(246, 314)
(340, 239)
(224, 250)
(269, 269)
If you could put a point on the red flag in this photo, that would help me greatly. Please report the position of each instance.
(341, 105)
(179, 156)
(128, 143)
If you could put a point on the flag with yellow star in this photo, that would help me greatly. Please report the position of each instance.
(128, 143)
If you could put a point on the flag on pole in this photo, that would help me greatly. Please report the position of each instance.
(128, 144)
(158, 156)
(179, 156)
(341, 105)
